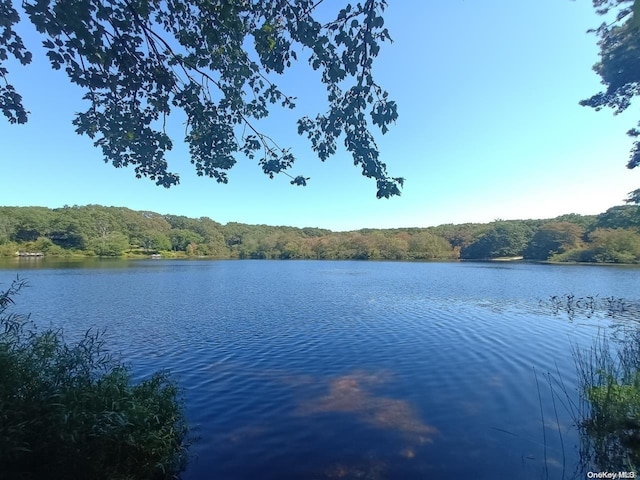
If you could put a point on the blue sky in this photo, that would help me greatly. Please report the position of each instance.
(489, 127)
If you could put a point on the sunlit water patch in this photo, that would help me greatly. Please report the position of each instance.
(350, 369)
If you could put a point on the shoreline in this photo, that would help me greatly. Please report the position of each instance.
(153, 257)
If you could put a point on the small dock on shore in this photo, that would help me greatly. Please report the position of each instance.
(30, 254)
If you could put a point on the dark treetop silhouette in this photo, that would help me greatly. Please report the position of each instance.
(139, 59)
(619, 65)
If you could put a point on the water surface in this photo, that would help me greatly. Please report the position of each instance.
(323, 370)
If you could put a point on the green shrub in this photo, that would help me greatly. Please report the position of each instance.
(8, 249)
(573, 255)
(72, 411)
(615, 245)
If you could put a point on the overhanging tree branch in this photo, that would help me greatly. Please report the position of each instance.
(135, 75)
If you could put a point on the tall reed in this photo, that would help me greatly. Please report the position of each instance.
(70, 411)
(609, 414)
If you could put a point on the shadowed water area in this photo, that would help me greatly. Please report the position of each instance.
(345, 370)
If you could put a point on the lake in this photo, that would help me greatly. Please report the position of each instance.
(345, 370)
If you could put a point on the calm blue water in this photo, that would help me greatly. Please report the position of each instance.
(327, 370)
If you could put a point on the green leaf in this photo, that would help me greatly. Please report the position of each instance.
(136, 61)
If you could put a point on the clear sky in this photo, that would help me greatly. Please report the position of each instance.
(489, 127)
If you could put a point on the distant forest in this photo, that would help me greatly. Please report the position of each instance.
(610, 237)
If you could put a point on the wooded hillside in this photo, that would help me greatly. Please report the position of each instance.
(612, 236)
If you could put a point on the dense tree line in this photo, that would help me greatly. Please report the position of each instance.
(613, 236)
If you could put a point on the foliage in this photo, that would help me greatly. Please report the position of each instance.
(553, 238)
(609, 237)
(620, 216)
(460, 236)
(619, 65)
(8, 249)
(116, 231)
(573, 255)
(71, 411)
(504, 239)
(583, 221)
(427, 246)
(610, 418)
(215, 60)
(109, 245)
(181, 238)
(155, 241)
(615, 246)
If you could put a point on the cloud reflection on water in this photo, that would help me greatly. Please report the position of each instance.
(357, 395)
(352, 394)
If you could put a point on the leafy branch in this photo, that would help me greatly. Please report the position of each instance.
(138, 59)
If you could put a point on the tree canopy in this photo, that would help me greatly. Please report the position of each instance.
(138, 60)
(612, 236)
(553, 238)
(619, 65)
(503, 239)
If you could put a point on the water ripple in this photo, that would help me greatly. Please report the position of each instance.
(349, 369)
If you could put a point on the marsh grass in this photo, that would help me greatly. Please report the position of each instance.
(606, 411)
(72, 411)
(609, 414)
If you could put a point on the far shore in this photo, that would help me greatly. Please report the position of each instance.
(76, 256)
